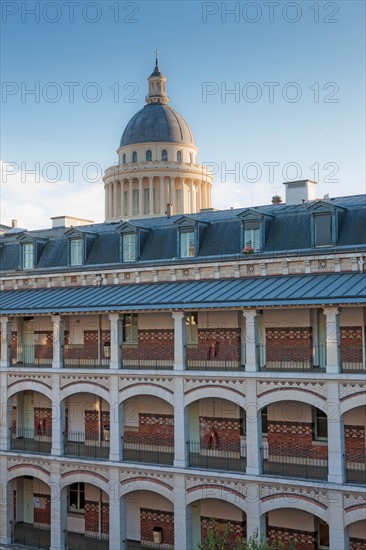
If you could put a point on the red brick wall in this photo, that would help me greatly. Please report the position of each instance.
(304, 540)
(92, 423)
(153, 345)
(355, 443)
(155, 518)
(289, 344)
(42, 421)
(357, 544)
(153, 429)
(237, 529)
(91, 516)
(43, 513)
(227, 431)
(216, 344)
(45, 349)
(89, 349)
(294, 439)
(351, 344)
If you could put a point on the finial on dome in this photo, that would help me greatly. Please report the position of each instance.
(156, 59)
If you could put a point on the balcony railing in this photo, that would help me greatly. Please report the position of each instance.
(284, 464)
(292, 358)
(88, 445)
(134, 356)
(32, 355)
(76, 540)
(356, 473)
(29, 440)
(136, 545)
(148, 449)
(78, 356)
(25, 534)
(229, 459)
(214, 356)
(352, 358)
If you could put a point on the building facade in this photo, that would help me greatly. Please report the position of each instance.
(178, 365)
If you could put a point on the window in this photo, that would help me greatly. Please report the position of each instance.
(179, 200)
(76, 497)
(243, 422)
(252, 235)
(135, 202)
(320, 425)
(125, 203)
(264, 415)
(130, 329)
(323, 229)
(323, 535)
(76, 252)
(124, 158)
(146, 200)
(164, 154)
(191, 158)
(179, 156)
(134, 156)
(28, 256)
(148, 155)
(192, 328)
(129, 247)
(187, 244)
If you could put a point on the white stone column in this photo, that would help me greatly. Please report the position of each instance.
(182, 515)
(58, 508)
(6, 504)
(336, 450)
(151, 196)
(115, 341)
(338, 532)
(111, 200)
(141, 197)
(6, 414)
(117, 516)
(180, 360)
(116, 423)
(162, 194)
(180, 424)
(172, 192)
(58, 327)
(6, 324)
(191, 196)
(115, 199)
(254, 430)
(256, 523)
(251, 340)
(130, 196)
(122, 197)
(58, 418)
(333, 340)
(106, 202)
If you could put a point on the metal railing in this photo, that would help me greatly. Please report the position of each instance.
(27, 535)
(136, 545)
(214, 356)
(292, 358)
(88, 445)
(135, 357)
(85, 356)
(356, 473)
(219, 458)
(352, 358)
(28, 439)
(76, 540)
(32, 355)
(148, 449)
(281, 462)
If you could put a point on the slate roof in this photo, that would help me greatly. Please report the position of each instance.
(296, 290)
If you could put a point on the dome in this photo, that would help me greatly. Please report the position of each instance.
(157, 122)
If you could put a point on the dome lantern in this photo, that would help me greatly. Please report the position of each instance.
(157, 85)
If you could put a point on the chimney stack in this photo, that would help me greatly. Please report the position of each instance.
(298, 192)
(276, 199)
(14, 224)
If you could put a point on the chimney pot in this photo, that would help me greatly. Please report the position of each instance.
(14, 223)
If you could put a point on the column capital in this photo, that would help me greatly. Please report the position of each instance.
(115, 316)
(331, 311)
(250, 313)
(178, 314)
(57, 318)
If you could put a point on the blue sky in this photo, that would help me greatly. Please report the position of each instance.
(308, 55)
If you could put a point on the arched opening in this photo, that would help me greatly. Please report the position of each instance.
(292, 529)
(148, 155)
(31, 422)
(31, 512)
(295, 440)
(86, 426)
(215, 519)
(191, 158)
(148, 430)
(87, 517)
(164, 154)
(149, 520)
(124, 158)
(216, 435)
(357, 535)
(179, 156)
(134, 156)
(354, 445)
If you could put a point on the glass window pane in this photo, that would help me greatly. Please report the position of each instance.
(187, 244)
(129, 248)
(76, 247)
(130, 328)
(164, 154)
(28, 256)
(323, 229)
(148, 155)
(252, 236)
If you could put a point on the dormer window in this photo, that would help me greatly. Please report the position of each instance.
(148, 155)
(28, 256)
(179, 156)
(252, 236)
(76, 251)
(129, 242)
(255, 228)
(187, 248)
(164, 154)
(326, 219)
(134, 156)
(323, 229)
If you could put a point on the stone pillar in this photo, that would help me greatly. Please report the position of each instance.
(122, 197)
(6, 505)
(111, 200)
(179, 340)
(180, 424)
(151, 196)
(58, 508)
(336, 450)
(338, 532)
(58, 418)
(58, 326)
(162, 195)
(116, 425)
(6, 414)
(256, 524)
(182, 515)
(191, 196)
(130, 196)
(115, 199)
(141, 197)
(117, 522)
(333, 340)
(6, 324)
(254, 430)
(115, 341)
(172, 192)
(251, 340)
(106, 201)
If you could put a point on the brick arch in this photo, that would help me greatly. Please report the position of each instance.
(27, 385)
(292, 395)
(21, 470)
(153, 390)
(221, 493)
(98, 480)
(306, 504)
(87, 387)
(208, 392)
(352, 403)
(358, 514)
(146, 484)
